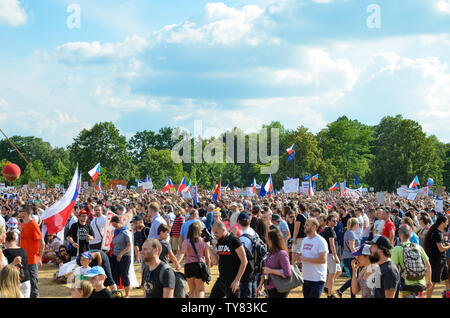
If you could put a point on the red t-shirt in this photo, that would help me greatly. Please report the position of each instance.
(388, 226)
(30, 235)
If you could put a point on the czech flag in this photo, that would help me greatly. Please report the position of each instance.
(315, 177)
(235, 190)
(414, 183)
(291, 152)
(227, 188)
(188, 188)
(55, 217)
(269, 187)
(430, 182)
(95, 172)
(182, 185)
(216, 195)
(254, 185)
(334, 187)
(98, 187)
(169, 185)
(310, 190)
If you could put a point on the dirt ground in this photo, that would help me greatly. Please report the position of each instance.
(49, 289)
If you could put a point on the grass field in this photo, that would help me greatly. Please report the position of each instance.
(49, 289)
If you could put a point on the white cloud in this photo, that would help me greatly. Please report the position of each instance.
(11, 13)
(3, 104)
(443, 6)
(223, 26)
(95, 52)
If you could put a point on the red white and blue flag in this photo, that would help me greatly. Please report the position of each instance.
(55, 217)
(216, 195)
(291, 152)
(310, 190)
(315, 177)
(182, 185)
(188, 188)
(430, 182)
(414, 183)
(254, 185)
(98, 187)
(169, 185)
(269, 186)
(95, 172)
(227, 188)
(334, 187)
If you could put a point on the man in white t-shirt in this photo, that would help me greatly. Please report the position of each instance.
(98, 225)
(313, 256)
(235, 213)
(379, 223)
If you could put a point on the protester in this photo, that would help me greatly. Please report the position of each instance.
(434, 246)
(156, 218)
(121, 254)
(84, 291)
(389, 226)
(51, 248)
(140, 234)
(277, 263)
(166, 252)
(387, 276)
(414, 238)
(175, 230)
(79, 235)
(351, 243)
(98, 226)
(99, 258)
(365, 281)
(156, 284)
(96, 276)
(3, 259)
(232, 262)
(18, 257)
(194, 257)
(313, 256)
(62, 256)
(9, 282)
(299, 231)
(333, 262)
(411, 287)
(32, 241)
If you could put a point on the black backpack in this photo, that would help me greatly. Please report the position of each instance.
(180, 281)
(257, 256)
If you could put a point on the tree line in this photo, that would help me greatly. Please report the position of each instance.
(384, 156)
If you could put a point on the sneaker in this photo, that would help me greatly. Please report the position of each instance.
(339, 293)
(332, 296)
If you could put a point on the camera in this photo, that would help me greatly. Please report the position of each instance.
(207, 237)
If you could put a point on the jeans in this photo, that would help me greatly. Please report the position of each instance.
(222, 289)
(248, 288)
(120, 269)
(348, 283)
(33, 269)
(312, 289)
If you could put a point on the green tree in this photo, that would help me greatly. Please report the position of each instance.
(103, 143)
(402, 151)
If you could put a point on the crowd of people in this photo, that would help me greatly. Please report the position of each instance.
(396, 249)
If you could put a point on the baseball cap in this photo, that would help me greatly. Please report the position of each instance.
(243, 216)
(87, 255)
(364, 249)
(276, 217)
(170, 208)
(382, 241)
(94, 271)
(83, 212)
(211, 206)
(233, 204)
(137, 218)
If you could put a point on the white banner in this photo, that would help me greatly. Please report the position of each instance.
(405, 192)
(186, 195)
(439, 206)
(305, 187)
(291, 185)
(147, 185)
(380, 197)
(412, 196)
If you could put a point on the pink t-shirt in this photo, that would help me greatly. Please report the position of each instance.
(190, 254)
(238, 229)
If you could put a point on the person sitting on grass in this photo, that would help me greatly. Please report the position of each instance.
(97, 277)
(79, 273)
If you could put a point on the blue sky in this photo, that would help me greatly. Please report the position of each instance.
(144, 64)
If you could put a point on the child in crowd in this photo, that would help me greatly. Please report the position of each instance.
(97, 277)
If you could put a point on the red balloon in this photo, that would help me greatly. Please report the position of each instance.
(11, 172)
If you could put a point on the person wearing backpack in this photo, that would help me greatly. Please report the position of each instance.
(232, 260)
(412, 261)
(258, 251)
(159, 279)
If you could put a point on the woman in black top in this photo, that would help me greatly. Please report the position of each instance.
(18, 257)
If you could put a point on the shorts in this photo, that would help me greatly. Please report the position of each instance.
(192, 270)
(439, 270)
(297, 245)
(332, 266)
(175, 243)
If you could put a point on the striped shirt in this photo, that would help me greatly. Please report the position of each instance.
(176, 226)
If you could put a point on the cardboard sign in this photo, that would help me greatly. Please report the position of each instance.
(412, 196)
(305, 187)
(439, 206)
(380, 197)
(291, 185)
(109, 229)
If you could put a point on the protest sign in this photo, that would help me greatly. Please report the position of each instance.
(305, 187)
(291, 185)
(380, 197)
(85, 185)
(147, 185)
(186, 195)
(439, 206)
(371, 189)
(57, 186)
(412, 196)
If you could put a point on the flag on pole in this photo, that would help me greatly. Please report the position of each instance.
(307, 177)
(95, 172)
(262, 191)
(315, 177)
(269, 187)
(182, 185)
(216, 195)
(291, 152)
(188, 188)
(357, 181)
(310, 190)
(227, 188)
(254, 185)
(169, 185)
(414, 183)
(334, 187)
(430, 182)
(37, 181)
(55, 217)
(98, 187)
